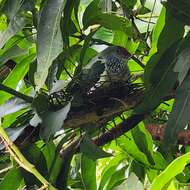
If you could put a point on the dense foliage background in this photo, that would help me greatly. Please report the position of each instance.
(54, 136)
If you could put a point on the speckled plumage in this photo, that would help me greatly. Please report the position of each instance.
(115, 59)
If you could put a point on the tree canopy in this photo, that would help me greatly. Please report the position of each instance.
(62, 127)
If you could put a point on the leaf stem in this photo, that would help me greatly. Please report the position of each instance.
(21, 160)
(9, 90)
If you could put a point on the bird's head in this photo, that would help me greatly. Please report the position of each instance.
(122, 51)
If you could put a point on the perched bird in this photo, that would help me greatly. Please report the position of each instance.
(107, 69)
(109, 66)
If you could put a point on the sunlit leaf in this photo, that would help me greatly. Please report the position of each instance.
(15, 76)
(14, 26)
(14, 51)
(12, 180)
(88, 173)
(176, 167)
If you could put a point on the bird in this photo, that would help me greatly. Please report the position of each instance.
(109, 66)
(105, 70)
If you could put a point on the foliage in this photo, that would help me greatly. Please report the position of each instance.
(72, 131)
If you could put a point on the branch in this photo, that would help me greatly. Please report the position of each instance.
(79, 118)
(119, 130)
(108, 136)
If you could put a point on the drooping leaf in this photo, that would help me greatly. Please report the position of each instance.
(88, 173)
(109, 170)
(49, 39)
(12, 180)
(143, 142)
(179, 116)
(173, 169)
(137, 169)
(52, 121)
(183, 64)
(92, 151)
(3, 22)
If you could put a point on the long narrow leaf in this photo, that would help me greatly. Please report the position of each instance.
(49, 39)
(175, 168)
(179, 117)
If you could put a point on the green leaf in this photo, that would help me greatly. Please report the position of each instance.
(138, 169)
(12, 180)
(167, 31)
(14, 26)
(35, 156)
(15, 76)
(3, 22)
(93, 15)
(162, 81)
(92, 151)
(61, 181)
(143, 142)
(67, 23)
(128, 145)
(52, 121)
(159, 76)
(116, 179)
(106, 176)
(183, 59)
(109, 168)
(179, 117)
(14, 51)
(49, 39)
(88, 173)
(180, 10)
(173, 169)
